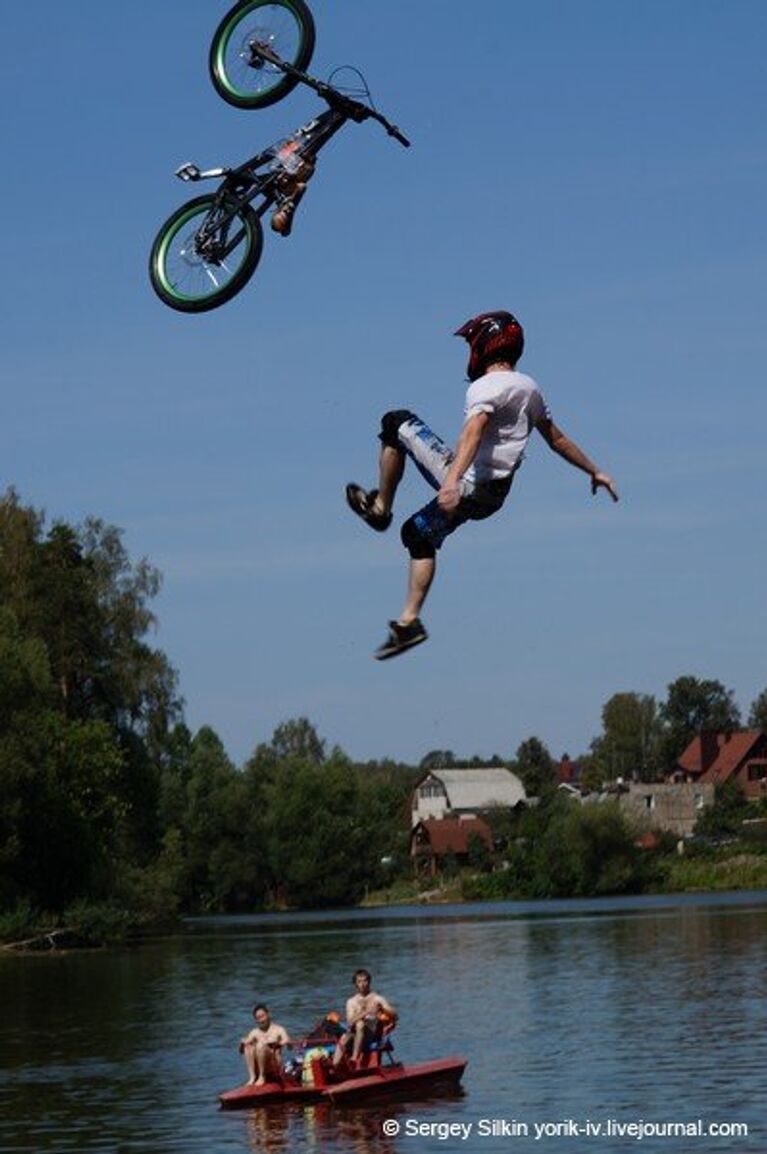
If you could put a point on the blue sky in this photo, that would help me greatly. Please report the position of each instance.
(599, 168)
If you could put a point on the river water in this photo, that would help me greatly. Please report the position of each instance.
(610, 1013)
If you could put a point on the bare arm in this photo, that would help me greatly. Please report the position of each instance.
(574, 455)
(465, 452)
(387, 1007)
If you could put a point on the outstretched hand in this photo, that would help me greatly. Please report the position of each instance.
(603, 481)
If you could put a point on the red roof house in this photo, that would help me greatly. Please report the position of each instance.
(715, 758)
(432, 840)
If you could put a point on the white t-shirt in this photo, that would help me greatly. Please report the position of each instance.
(515, 405)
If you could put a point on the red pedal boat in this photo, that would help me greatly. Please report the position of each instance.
(377, 1073)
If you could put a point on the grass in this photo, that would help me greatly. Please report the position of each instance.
(410, 891)
(738, 871)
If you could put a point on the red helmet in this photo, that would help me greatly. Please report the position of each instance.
(492, 337)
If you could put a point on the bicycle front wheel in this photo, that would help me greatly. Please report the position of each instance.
(202, 256)
(242, 77)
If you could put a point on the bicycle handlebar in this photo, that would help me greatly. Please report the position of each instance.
(357, 111)
(354, 109)
(391, 129)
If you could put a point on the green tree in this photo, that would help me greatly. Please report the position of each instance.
(757, 717)
(438, 759)
(478, 855)
(138, 686)
(26, 696)
(725, 816)
(76, 590)
(295, 740)
(535, 766)
(495, 761)
(157, 890)
(628, 745)
(323, 847)
(175, 773)
(593, 771)
(584, 850)
(224, 830)
(80, 754)
(692, 707)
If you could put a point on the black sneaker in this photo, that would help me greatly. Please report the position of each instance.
(401, 637)
(361, 503)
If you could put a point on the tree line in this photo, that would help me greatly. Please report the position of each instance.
(642, 739)
(106, 797)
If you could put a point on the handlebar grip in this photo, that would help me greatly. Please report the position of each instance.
(395, 132)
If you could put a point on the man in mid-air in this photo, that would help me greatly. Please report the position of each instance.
(503, 406)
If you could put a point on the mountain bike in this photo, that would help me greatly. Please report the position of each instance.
(209, 248)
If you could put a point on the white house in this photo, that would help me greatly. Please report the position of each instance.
(465, 793)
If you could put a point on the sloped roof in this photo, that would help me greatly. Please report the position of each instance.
(451, 834)
(479, 788)
(716, 756)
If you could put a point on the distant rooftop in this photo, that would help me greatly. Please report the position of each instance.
(479, 788)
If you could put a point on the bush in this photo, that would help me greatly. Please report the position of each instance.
(724, 817)
(582, 851)
(18, 922)
(153, 893)
(96, 923)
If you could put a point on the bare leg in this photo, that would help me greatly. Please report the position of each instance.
(249, 1054)
(391, 466)
(359, 1037)
(420, 577)
(340, 1053)
(264, 1062)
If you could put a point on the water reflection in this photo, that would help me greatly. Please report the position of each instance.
(325, 1127)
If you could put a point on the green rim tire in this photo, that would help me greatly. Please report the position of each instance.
(191, 278)
(240, 78)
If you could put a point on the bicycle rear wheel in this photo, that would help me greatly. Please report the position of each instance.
(240, 76)
(199, 259)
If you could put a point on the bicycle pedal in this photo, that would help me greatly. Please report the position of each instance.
(188, 171)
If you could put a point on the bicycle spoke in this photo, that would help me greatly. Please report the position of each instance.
(243, 75)
(192, 267)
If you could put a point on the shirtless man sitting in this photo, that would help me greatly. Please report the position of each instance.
(262, 1048)
(362, 1021)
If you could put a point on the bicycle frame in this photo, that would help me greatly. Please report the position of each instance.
(276, 177)
(242, 185)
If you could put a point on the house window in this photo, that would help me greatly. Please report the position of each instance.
(699, 801)
(649, 801)
(430, 789)
(757, 770)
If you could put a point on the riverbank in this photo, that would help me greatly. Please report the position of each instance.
(83, 926)
(720, 871)
(415, 892)
(88, 926)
